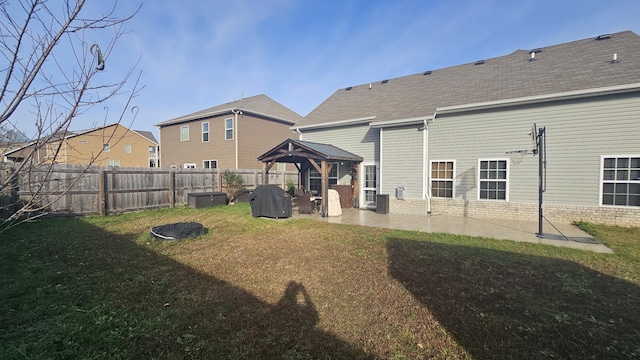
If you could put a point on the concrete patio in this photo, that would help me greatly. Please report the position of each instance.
(565, 235)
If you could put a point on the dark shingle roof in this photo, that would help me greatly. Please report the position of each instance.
(329, 151)
(578, 65)
(147, 134)
(259, 105)
(297, 151)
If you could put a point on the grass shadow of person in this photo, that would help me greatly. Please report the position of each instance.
(501, 305)
(84, 292)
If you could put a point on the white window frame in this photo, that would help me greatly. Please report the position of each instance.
(227, 129)
(629, 180)
(184, 136)
(113, 163)
(332, 180)
(363, 188)
(506, 180)
(452, 180)
(127, 148)
(189, 165)
(205, 132)
(208, 166)
(106, 148)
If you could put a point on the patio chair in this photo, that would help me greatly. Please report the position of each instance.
(305, 206)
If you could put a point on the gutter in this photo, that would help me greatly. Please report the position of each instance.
(334, 123)
(400, 122)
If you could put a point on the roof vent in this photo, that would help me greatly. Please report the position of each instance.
(479, 62)
(349, 88)
(533, 55)
(615, 58)
(384, 81)
(603, 37)
(428, 72)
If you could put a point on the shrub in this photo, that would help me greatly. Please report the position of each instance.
(232, 183)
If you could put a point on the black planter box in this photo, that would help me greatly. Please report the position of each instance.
(201, 200)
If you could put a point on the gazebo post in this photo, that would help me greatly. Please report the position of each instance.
(324, 176)
(354, 181)
(265, 173)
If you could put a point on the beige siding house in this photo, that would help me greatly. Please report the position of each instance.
(227, 136)
(460, 140)
(112, 145)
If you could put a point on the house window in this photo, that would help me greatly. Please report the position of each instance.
(127, 149)
(228, 129)
(315, 179)
(113, 163)
(205, 132)
(621, 180)
(106, 148)
(184, 133)
(442, 176)
(189, 166)
(493, 177)
(210, 164)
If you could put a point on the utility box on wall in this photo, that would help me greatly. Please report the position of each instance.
(201, 200)
(400, 193)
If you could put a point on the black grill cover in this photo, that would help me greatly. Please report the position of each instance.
(270, 201)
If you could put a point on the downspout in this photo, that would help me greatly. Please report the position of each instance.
(427, 166)
(235, 131)
(158, 146)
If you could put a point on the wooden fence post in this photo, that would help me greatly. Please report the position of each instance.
(102, 202)
(172, 189)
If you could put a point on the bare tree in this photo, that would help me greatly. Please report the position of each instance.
(47, 64)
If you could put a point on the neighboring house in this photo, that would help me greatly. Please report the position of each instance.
(458, 140)
(227, 136)
(111, 145)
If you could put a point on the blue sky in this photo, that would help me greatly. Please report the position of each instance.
(195, 54)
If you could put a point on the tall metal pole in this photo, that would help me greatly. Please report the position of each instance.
(539, 183)
(540, 149)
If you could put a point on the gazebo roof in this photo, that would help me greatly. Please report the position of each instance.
(298, 151)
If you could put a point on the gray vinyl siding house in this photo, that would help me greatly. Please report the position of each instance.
(458, 140)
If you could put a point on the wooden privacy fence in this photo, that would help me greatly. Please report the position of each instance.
(76, 190)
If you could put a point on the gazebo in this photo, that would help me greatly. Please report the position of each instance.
(306, 155)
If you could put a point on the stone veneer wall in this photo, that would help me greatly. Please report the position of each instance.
(518, 211)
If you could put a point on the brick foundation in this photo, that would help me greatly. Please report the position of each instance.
(518, 211)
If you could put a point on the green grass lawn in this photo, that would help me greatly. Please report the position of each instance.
(255, 288)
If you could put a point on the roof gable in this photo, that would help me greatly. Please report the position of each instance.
(66, 135)
(261, 105)
(296, 151)
(578, 65)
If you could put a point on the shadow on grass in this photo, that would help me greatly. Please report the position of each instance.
(87, 293)
(501, 305)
